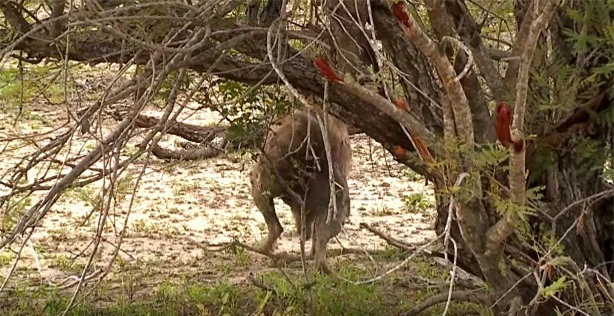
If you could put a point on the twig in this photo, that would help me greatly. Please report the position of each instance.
(78, 280)
(454, 91)
(17, 258)
(323, 122)
(255, 282)
(397, 267)
(39, 266)
(573, 308)
(117, 247)
(452, 277)
(467, 51)
(276, 25)
(448, 226)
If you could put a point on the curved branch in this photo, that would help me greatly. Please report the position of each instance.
(193, 133)
(505, 226)
(469, 62)
(411, 68)
(469, 31)
(454, 91)
(445, 22)
(465, 296)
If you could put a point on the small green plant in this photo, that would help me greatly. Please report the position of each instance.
(139, 226)
(58, 234)
(15, 210)
(6, 258)
(242, 257)
(415, 202)
(63, 263)
(187, 187)
(412, 175)
(383, 211)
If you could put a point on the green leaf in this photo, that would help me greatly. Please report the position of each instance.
(554, 288)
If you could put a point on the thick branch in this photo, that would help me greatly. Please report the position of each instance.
(413, 71)
(184, 154)
(525, 65)
(511, 75)
(454, 91)
(469, 30)
(444, 28)
(193, 133)
(505, 226)
(352, 108)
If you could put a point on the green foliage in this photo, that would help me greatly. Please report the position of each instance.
(545, 158)
(588, 155)
(22, 89)
(277, 294)
(248, 109)
(417, 202)
(6, 258)
(14, 210)
(88, 195)
(571, 76)
(411, 175)
(489, 156)
(593, 16)
(166, 86)
(557, 286)
(514, 212)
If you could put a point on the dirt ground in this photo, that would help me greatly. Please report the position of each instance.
(180, 204)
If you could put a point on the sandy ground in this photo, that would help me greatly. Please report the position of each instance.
(203, 201)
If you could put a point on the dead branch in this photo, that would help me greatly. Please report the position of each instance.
(194, 133)
(390, 240)
(477, 297)
(460, 106)
(185, 154)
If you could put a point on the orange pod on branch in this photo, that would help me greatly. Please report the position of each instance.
(503, 125)
(326, 70)
(401, 104)
(399, 12)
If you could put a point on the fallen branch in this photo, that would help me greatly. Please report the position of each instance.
(477, 297)
(191, 132)
(391, 241)
(184, 154)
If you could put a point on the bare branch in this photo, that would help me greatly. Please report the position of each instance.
(185, 154)
(470, 31)
(477, 297)
(390, 240)
(505, 226)
(469, 62)
(454, 91)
